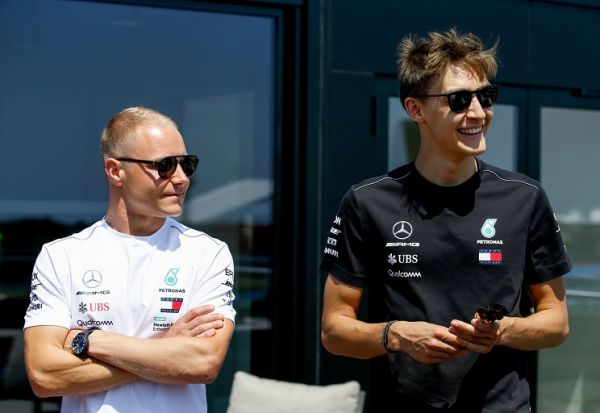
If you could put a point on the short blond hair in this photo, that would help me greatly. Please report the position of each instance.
(122, 128)
(422, 60)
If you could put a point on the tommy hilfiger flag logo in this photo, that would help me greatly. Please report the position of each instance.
(173, 304)
(490, 257)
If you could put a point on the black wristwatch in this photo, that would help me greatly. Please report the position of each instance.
(80, 343)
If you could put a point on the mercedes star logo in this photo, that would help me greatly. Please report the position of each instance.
(402, 230)
(92, 278)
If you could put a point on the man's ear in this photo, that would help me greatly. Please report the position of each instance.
(114, 172)
(414, 108)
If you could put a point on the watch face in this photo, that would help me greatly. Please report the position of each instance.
(79, 344)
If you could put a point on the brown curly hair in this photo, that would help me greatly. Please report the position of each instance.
(422, 60)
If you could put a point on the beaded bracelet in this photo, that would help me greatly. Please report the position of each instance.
(384, 339)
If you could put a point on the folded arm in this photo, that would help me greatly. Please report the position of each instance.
(172, 360)
(54, 371)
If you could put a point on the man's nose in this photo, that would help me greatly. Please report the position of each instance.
(475, 109)
(179, 177)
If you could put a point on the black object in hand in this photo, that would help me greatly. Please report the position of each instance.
(492, 312)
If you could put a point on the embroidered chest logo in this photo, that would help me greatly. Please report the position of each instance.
(171, 277)
(487, 229)
(171, 304)
(488, 256)
(92, 279)
(161, 323)
(94, 307)
(392, 259)
(402, 230)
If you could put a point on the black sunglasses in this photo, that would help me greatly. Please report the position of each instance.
(460, 101)
(166, 167)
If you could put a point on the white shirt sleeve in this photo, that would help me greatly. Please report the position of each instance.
(215, 286)
(48, 304)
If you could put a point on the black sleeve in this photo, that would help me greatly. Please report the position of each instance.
(345, 244)
(546, 255)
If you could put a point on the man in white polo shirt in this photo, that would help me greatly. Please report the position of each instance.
(134, 313)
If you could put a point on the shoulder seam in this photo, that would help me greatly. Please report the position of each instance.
(381, 179)
(74, 237)
(200, 234)
(510, 180)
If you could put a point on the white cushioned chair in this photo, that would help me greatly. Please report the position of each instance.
(252, 394)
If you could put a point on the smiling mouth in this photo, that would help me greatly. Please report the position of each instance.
(471, 131)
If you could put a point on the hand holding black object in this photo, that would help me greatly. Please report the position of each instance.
(492, 312)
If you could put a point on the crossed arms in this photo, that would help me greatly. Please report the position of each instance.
(191, 351)
(343, 334)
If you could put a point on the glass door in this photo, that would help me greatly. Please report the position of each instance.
(569, 376)
(68, 66)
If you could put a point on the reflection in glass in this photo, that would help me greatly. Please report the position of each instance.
(67, 67)
(569, 376)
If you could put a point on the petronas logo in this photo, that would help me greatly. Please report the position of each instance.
(171, 277)
(487, 229)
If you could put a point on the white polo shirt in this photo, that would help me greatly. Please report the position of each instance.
(136, 286)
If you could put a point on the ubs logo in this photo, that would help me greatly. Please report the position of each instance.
(93, 307)
(92, 279)
(402, 230)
